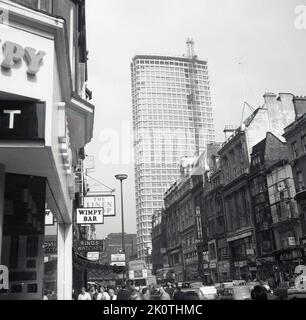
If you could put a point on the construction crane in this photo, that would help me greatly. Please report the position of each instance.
(243, 110)
(192, 96)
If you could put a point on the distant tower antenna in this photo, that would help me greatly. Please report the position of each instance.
(190, 48)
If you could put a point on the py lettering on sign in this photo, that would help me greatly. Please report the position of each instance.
(14, 55)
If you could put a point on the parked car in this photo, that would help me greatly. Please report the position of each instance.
(209, 292)
(203, 292)
(294, 294)
(239, 282)
(192, 291)
(298, 291)
(281, 292)
(242, 292)
(265, 285)
(228, 284)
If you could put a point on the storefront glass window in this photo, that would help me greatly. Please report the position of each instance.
(50, 257)
(29, 250)
(23, 236)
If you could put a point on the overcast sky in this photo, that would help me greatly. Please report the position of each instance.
(252, 47)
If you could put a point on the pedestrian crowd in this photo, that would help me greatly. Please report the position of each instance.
(130, 292)
(260, 289)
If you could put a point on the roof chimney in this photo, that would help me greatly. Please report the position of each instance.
(228, 131)
(299, 106)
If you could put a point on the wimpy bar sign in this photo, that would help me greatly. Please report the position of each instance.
(90, 216)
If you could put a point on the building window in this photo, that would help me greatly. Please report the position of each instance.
(256, 160)
(32, 247)
(295, 149)
(32, 288)
(223, 253)
(212, 251)
(220, 225)
(44, 5)
(267, 241)
(16, 288)
(304, 143)
(300, 180)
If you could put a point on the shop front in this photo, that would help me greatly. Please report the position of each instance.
(267, 267)
(206, 272)
(191, 264)
(223, 260)
(36, 153)
(242, 253)
(214, 272)
(223, 271)
(206, 267)
(178, 273)
(287, 260)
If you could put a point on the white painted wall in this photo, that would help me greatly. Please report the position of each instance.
(17, 82)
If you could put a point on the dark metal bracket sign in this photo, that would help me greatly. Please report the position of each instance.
(85, 246)
(107, 202)
(22, 120)
(50, 247)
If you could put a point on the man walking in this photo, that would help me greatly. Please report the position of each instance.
(112, 295)
(84, 295)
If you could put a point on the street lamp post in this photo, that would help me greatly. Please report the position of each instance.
(122, 177)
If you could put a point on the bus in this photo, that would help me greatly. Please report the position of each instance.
(140, 274)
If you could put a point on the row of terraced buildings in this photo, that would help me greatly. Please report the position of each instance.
(238, 210)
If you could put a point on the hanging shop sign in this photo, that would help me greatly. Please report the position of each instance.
(50, 247)
(242, 264)
(224, 267)
(85, 246)
(22, 120)
(250, 252)
(90, 216)
(118, 264)
(93, 256)
(199, 225)
(107, 202)
(291, 241)
(118, 259)
(49, 218)
(240, 236)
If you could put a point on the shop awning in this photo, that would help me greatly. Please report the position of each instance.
(81, 263)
